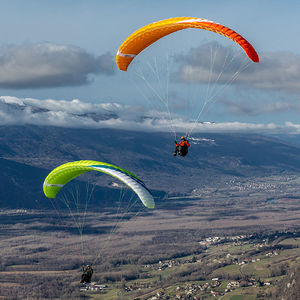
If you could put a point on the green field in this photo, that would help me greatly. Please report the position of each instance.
(139, 265)
(259, 272)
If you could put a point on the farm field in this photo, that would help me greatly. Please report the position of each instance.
(202, 249)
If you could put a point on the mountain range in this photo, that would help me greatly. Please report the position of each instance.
(29, 153)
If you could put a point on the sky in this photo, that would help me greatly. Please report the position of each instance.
(57, 66)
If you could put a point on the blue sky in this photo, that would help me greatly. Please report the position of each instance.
(85, 36)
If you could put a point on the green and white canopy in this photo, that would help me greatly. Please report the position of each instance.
(66, 172)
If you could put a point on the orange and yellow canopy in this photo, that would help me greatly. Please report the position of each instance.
(149, 34)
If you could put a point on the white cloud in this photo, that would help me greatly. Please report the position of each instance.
(78, 114)
(213, 62)
(49, 65)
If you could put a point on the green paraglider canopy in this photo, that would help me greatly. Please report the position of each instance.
(66, 172)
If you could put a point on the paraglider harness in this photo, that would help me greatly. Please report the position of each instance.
(181, 148)
(87, 273)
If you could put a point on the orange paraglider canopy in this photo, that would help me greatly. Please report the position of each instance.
(149, 34)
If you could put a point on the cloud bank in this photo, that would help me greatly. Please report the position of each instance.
(49, 65)
(213, 62)
(255, 107)
(78, 114)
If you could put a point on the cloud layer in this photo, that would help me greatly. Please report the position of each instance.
(49, 65)
(266, 107)
(213, 62)
(78, 114)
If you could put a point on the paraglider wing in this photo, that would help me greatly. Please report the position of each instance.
(149, 34)
(66, 172)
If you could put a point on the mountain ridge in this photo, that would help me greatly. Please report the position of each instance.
(213, 158)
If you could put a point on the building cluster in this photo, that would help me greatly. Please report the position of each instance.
(272, 253)
(93, 287)
(257, 186)
(213, 240)
(136, 286)
(190, 291)
(161, 265)
(167, 264)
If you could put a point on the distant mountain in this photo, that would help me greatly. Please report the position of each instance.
(22, 187)
(20, 184)
(293, 139)
(28, 153)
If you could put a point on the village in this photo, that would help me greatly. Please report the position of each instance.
(236, 260)
(190, 290)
